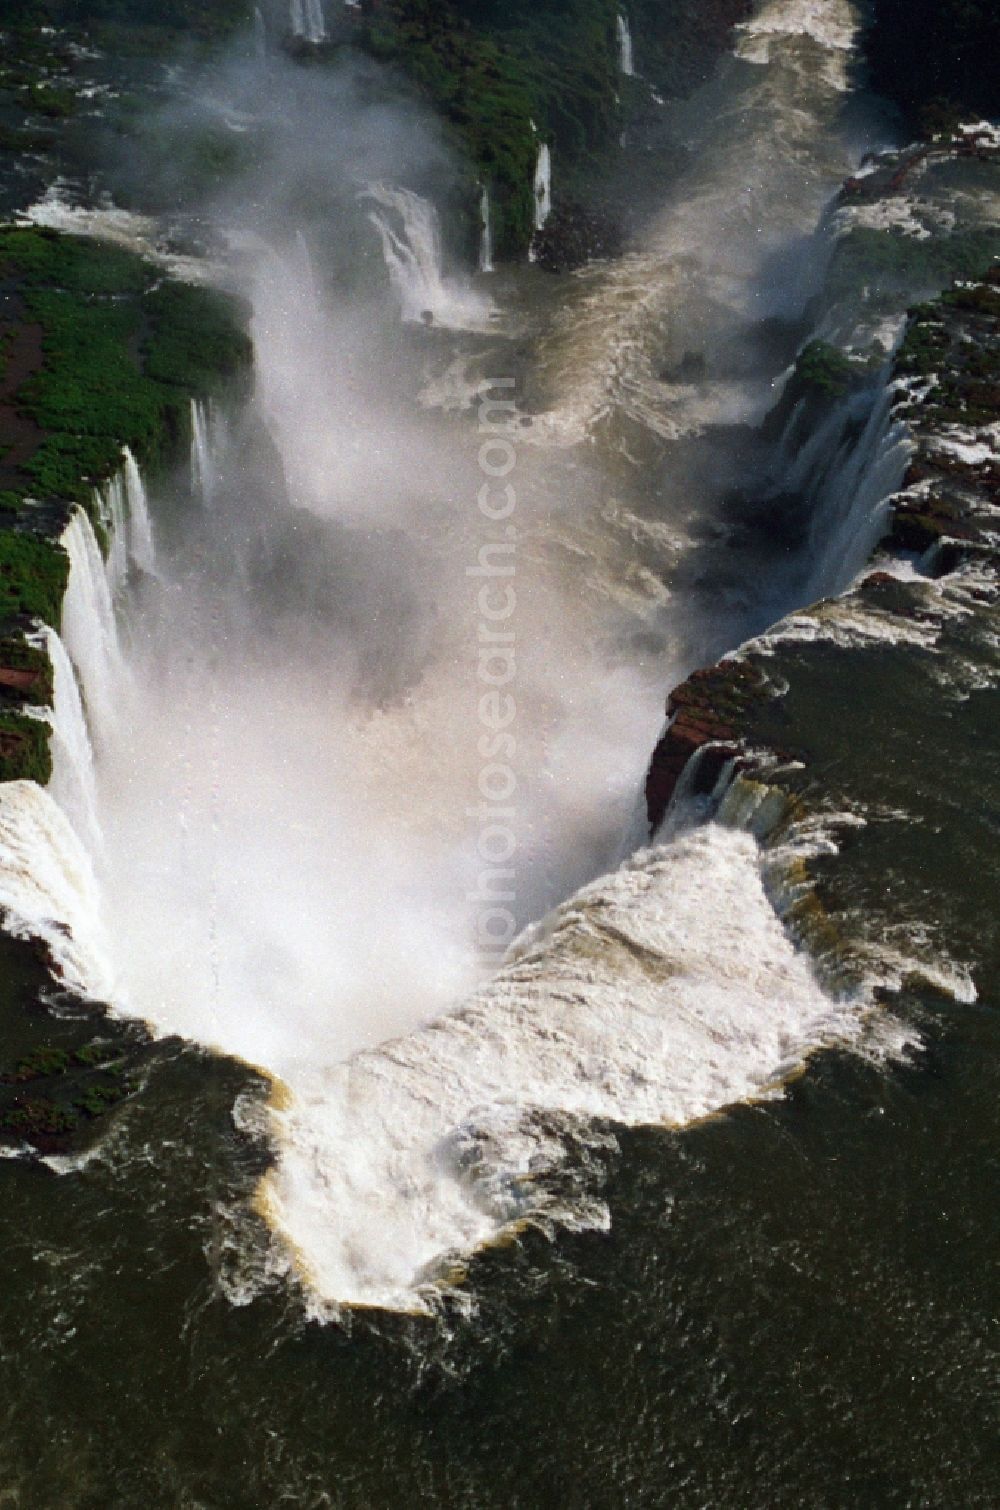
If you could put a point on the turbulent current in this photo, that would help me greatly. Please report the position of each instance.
(378, 702)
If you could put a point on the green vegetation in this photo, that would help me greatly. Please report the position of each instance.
(56, 1088)
(40, 1062)
(16, 654)
(45, 259)
(491, 69)
(123, 355)
(825, 368)
(33, 575)
(38, 1118)
(677, 44)
(925, 343)
(895, 261)
(66, 1087)
(982, 299)
(194, 339)
(966, 372)
(24, 748)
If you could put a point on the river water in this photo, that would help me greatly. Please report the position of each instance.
(431, 1228)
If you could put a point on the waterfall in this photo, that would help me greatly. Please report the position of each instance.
(315, 21)
(202, 469)
(112, 510)
(259, 32)
(47, 887)
(673, 975)
(73, 783)
(140, 528)
(543, 186)
(486, 235)
(88, 626)
(307, 21)
(412, 253)
(123, 509)
(847, 470)
(410, 234)
(626, 60)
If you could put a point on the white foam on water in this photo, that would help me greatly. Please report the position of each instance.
(976, 448)
(658, 994)
(47, 887)
(849, 622)
(830, 24)
(59, 210)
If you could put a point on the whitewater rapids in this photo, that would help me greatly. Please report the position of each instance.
(284, 754)
(657, 995)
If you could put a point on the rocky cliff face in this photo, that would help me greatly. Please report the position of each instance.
(509, 76)
(864, 720)
(97, 353)
(503, 78)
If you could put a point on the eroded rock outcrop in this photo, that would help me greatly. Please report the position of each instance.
(859, 705)
(947, 514)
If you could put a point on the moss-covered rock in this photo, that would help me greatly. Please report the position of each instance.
(505, 77)
(33, 576)
(707, 719)
(105, 354)
(123, 353)
(56, 1090)
(893, 261)
(24, 748)
(824, 368)
(822, 376)
(508, 74)
(25, 671)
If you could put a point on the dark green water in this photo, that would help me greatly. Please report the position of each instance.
(795, 1305)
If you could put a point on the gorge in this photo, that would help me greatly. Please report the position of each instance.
(370, 483)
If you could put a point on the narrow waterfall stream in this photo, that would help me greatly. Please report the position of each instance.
(543, 186)
(625, 51)
(486, 233)
(307, 20)
(410, 235)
